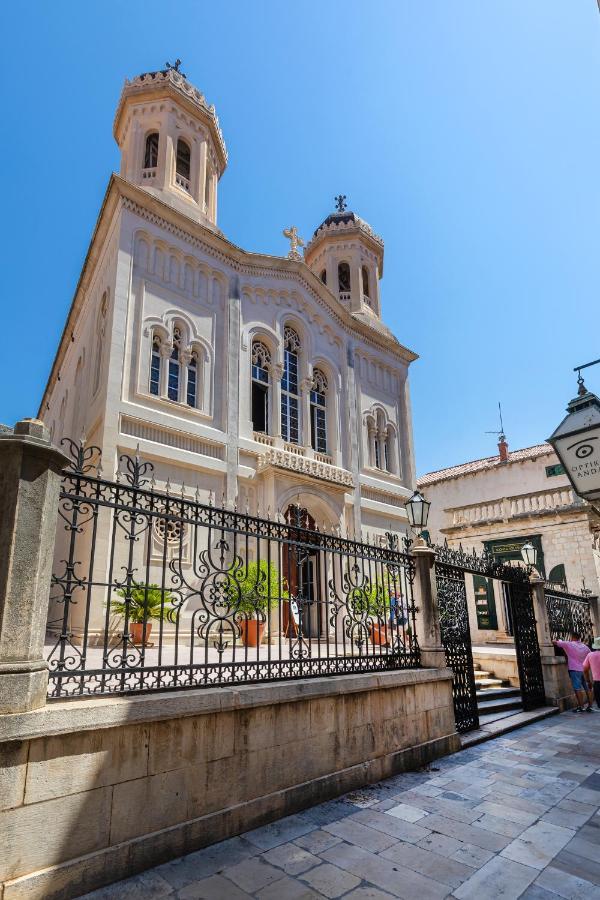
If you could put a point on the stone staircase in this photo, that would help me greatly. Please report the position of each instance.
(495, 698)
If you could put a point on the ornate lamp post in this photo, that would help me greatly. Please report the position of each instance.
(417, 510)
(529, 554)
(576, 441)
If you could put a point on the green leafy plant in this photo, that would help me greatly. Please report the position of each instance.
(373, 600)
(145, 603)
(254, 587)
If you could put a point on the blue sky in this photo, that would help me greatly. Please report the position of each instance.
(466, 132)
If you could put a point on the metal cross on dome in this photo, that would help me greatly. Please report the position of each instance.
(340, 202)
(175, 67)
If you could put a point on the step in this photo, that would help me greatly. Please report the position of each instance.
(499, 693)
(480, 673)
(505, 724)
(500, 705)
(485, 683)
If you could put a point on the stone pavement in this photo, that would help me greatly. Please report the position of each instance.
(517, 816)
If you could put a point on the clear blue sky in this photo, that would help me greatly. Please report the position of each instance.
(466, 132)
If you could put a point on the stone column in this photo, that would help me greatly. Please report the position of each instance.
(429, 635)
(233, 391)
(557, 686)
(29, 488)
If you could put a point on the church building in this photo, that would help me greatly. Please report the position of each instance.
(245, 378)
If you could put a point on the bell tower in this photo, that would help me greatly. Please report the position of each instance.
(347, 255)
(171, 143)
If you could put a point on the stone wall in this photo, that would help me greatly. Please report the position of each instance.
(94, 790)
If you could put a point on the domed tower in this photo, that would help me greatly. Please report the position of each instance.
(347, 255)
(171, 142)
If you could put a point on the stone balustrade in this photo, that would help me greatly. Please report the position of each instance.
(283, 459)
(512, 507)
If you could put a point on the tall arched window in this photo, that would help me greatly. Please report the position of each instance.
(261, 362)
(192, 380)
(151, 151)
(174, 367)
(344, 278)
(318, 412)
(290, 400)
(324, 276)
(182, 166)
(365, 284)
(155, 363)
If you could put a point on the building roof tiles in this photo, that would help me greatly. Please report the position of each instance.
(480, 465)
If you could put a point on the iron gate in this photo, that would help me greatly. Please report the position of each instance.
(456, 638)
(450, 567)
(526, 644)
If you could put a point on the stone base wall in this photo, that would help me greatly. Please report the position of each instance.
(95, 790)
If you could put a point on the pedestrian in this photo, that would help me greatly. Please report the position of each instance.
(591, 669)
(576, 652)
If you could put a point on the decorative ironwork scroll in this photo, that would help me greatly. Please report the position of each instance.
(568, 614)
(456, 638)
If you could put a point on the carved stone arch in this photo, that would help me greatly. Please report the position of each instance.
(318, 503)
(289, 319)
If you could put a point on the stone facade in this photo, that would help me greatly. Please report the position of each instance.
(500, 503)
(184, 344)
(96, 790)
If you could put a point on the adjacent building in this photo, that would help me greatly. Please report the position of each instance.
(498, 504)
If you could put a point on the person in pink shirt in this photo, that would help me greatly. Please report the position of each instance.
(576, 652)
(591, 669)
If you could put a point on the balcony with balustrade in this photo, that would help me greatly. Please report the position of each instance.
(519, 506)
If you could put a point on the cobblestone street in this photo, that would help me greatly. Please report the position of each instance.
(517, 816)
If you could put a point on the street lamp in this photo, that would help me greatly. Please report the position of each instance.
(576, 442)
(417, 510)
(529, 554)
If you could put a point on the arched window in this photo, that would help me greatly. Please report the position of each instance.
(290, 400)
(182, 166)
(192, 380)
(318, 412)
(174, 367)
(324, 276)
(155, 361)
(558, 575)
(365, 283)
(151, 151)
(377, 452)
(261, 363)
(207, 187)
(344, 278)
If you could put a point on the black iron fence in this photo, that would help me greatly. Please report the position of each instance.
(568, 614)
(156, 590)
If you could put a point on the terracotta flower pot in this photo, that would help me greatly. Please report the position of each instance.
(379, 634)
(140, 633)
(252, 632)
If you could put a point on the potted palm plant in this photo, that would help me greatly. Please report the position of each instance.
(146, 602)
(253, 591)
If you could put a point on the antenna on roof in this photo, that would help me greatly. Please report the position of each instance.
(501, 434)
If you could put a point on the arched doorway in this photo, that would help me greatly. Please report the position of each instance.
(303, 612)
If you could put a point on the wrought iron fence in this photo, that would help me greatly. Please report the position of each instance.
(156, 590)
(568, 614)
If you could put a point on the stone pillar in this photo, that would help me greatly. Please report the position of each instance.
(233, 391)
(557, 685)
(29, 488)
(429, 634)
(354, 419)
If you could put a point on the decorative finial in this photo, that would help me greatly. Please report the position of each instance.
(340, 203)
(175, 67)
(291, 234)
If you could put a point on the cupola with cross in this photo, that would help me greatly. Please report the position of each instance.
(347, 256)
(171, 142)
